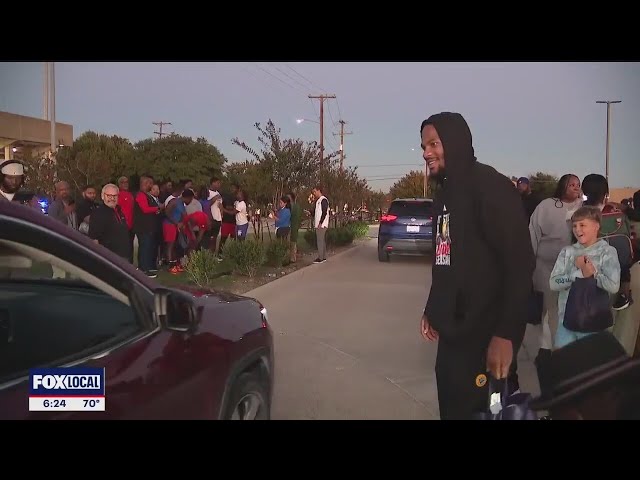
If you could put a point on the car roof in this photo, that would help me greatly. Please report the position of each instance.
(32, 215)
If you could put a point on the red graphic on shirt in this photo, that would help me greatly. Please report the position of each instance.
(443, 240)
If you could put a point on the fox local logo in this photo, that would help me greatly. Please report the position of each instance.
(66, 382)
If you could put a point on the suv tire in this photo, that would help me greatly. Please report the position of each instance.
(248, 394)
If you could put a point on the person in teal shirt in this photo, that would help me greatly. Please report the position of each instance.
(590, 256)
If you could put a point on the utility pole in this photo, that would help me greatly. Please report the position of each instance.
(426, 178)
(322, 98)
(52, 110)
(342, 134)
(160, 125)
(45, 91)
(608, 102)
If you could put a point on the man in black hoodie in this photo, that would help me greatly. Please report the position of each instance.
(482, 270)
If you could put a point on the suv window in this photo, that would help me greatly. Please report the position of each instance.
(408, 208)
(48, 317)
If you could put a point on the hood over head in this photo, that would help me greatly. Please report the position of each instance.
(456, 139)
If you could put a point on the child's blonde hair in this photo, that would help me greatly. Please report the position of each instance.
(587, 213)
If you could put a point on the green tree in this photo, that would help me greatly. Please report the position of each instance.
(94, 159)
(544, 184)
(254, 178)
(376, 201)
(289, 164)
(177, 157)
(345, 189)
(40, 174)
(409, 186)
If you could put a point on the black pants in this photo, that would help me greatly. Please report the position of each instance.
(283, 232)
(147, 251)
(625, 274)
(132, 236)
(463, 380)
(215, 229)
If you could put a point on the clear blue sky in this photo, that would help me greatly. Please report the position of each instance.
(525, 117)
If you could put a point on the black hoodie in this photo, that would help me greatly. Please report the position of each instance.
(483, 264)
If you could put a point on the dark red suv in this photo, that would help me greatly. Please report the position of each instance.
(167, 353)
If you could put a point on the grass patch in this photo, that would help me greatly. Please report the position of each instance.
(222, 282)
(221, 277)
(226, 280)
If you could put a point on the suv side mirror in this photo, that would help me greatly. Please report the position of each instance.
(174, 310)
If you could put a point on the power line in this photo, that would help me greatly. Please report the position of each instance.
(331, 114)
(304, 78)
(323, 136)
(289, 76)
(327, 139)
(272, 75)
(250, 72)
(161, 124)
(322, 98)
(338, 104)
(342, 134)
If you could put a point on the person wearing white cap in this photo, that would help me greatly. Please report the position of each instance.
(11, 178)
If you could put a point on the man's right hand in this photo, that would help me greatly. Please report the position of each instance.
(427, 331)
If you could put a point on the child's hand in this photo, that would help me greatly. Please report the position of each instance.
(580, 262)
(588, 270)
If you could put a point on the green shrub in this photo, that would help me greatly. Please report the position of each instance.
(331, 237)
(310, 237)
(278, 253)
(342, 236)
(335, 237)
(359, 229)
(202, 266)
(246, 256)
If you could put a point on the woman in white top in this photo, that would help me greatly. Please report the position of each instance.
(242, 218)
(550, 230)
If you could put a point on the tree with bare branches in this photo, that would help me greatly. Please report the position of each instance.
(287, 164)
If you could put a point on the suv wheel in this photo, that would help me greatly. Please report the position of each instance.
(248, 399)
(382, 255)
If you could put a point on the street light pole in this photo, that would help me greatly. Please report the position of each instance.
(52, 108)
(608, 103)
(45, 91)
(426, 178)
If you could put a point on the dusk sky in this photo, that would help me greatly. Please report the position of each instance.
(524, 117)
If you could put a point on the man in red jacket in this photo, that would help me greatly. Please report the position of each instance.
(200, 220)
(125, 201)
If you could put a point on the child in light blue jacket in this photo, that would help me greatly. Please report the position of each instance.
(588, 257)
